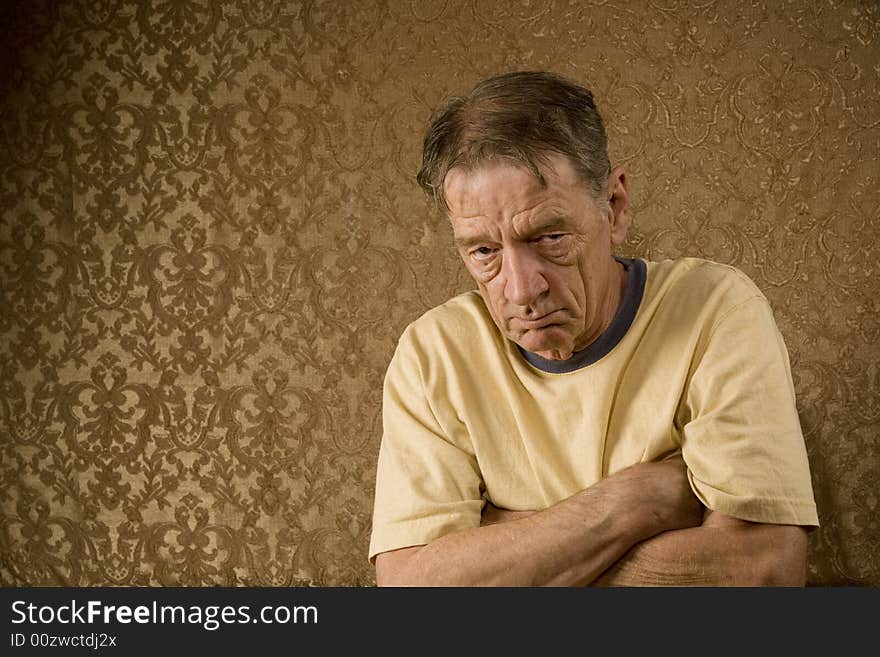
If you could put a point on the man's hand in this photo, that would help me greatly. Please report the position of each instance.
(720, 550)
(662, 488)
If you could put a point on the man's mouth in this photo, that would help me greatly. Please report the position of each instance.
(537, 322)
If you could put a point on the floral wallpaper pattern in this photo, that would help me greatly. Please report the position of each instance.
(211, 237)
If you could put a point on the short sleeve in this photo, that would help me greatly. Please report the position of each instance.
(426, 484)
(741, 436)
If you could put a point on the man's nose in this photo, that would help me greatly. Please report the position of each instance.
(524, 281)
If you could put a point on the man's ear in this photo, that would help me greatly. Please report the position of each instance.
(618, 200)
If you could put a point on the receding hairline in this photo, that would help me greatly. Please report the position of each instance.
(543, 161)
(550, 162)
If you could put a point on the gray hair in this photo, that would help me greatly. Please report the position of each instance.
(523, 116)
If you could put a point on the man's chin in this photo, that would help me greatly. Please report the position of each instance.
(544, 344)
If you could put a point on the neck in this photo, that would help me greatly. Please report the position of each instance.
(617, 277)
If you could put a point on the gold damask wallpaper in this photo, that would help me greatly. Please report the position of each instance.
(211, 237)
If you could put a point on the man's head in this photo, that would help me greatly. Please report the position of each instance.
(520, 165)
(521, 116)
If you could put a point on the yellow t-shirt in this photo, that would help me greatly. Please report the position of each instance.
(700, 367)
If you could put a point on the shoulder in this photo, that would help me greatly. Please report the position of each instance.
(459, 326)
(446, 343)
(699, 281)
(453, 315)
(690, 297)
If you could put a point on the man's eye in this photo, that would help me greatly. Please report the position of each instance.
(551, 238)
(483, 252)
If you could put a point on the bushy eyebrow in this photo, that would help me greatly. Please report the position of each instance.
(552, 224)
(557, 223)
(468, 241)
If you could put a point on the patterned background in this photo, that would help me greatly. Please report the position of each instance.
(211, 237)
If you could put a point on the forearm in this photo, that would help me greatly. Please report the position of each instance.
(570, 543)
(745, 554)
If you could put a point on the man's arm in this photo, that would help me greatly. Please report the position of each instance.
(570, 543)
(723, 551)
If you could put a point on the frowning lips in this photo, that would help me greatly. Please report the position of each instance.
(530, 323)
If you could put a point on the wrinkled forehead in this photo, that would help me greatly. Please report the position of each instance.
(469, 190)
(473, 191)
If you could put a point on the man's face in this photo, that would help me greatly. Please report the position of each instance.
(541, 257)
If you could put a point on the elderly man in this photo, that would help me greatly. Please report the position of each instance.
(580, 418)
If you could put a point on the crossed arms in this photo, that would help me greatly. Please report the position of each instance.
(639, 527)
